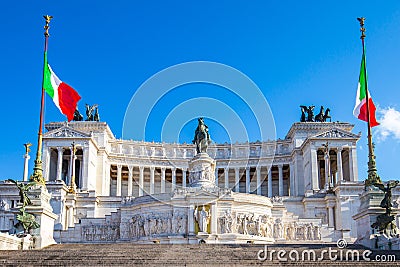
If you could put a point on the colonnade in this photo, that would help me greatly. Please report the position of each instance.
(138, 180)
(61, 171)
(332, 165)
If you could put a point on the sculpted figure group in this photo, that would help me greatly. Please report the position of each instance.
(92, 113)
(307, 114)
(101, 232)
(266, 226)
(142, 225)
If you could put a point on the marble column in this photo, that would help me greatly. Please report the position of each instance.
(152, 168)
(119, 180)
(226, 174)
(280, 181)
(141, 180)
(69, 176)
(291, 180)
(60, 151)
(314, 170)
(71, 222)
(216, 175)
(214, 218)
(258, 173)
(184, 170)
(173, 186)
(85, 164)
(130, 179)
(270, 182)
(26, 167)
(191, 220)
(237, 179)
(353, 163)
(162, 179)
(331, 221)
(247, 179)
(327, 170)
(339, 164)
(46, 162)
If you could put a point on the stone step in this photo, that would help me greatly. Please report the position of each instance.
(121, 254)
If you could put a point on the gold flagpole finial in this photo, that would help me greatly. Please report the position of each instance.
(362, 29)
(46, 27)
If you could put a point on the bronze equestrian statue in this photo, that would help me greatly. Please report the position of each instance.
(327, 115)
(320, 115)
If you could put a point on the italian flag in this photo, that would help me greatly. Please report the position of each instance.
(63, 95)
(360, 109)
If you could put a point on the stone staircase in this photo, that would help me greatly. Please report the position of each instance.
(121, 254)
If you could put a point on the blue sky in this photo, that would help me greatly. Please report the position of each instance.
(296, 52)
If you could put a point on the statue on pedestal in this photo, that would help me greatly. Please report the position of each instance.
(202, 217)
(25, 219)
(385, 222)
(201, 137)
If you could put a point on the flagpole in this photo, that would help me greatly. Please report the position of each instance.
(372, 171)
(37, 175)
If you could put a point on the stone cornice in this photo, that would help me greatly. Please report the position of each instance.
(318, 126)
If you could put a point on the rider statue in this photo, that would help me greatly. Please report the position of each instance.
(201, 137)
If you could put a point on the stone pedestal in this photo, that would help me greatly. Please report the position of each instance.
(44, 215)
(202, 171)
(368, 212)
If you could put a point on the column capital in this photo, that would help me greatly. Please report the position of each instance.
(119, 166)
(163, 169)
(173, 169)
(152, 168)
(339, 149)
(237, 169)
(280, 165)
(130, 168)
(60, 149)
(258, 168)
(141, 168)
(226, 169)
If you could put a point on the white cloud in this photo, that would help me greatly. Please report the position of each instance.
(389, 120)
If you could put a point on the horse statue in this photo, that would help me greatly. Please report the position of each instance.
(327, 115)
(89, 112)
(310, 113)
(201, 137)
(77, 116)
(304, 109)
(320, 115)
(96, 116)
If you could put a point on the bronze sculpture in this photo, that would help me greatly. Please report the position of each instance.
(327, 115)
(322, 116)
(25, 219)
(92, 112)
(77, 116)
(385, 222)
(202, 137)
(23, 191)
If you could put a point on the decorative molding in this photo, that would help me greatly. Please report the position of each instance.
(336, 133)
(65, 131)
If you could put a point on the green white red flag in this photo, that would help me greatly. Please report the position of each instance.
(360, 109)
(63, 95)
